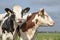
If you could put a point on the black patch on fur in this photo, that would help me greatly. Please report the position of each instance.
(18, 28)
(8, 25)
(0, 22)
(36, 21)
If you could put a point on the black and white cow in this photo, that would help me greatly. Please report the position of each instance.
(10, 23)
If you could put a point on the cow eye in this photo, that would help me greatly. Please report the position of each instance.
(13, 16)
(46, 16)
(38, 14)
(43, 16)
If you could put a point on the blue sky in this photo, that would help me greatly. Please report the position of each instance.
(51, 6)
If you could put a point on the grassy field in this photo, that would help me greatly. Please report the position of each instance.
(47, 36)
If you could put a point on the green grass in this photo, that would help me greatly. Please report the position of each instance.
(47, 36)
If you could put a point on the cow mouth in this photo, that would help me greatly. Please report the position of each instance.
(51, 25)
(20, 22)
(47, 25)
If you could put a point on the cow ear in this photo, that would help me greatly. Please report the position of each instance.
(8, 11)
(41, 12)
(26, 10)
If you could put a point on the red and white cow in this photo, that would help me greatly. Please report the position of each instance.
(33, 22)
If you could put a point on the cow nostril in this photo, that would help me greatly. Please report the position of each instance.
(52, 23)
(20, 21)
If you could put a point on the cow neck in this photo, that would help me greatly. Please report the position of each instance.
(29, 24)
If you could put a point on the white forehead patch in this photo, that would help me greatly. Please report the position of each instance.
(17, 8)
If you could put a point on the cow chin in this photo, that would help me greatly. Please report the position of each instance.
(47, 25)
(51, 25)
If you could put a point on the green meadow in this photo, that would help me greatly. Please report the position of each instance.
(47, 36)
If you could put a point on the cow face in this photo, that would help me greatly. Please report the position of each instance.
(19, 12)
(43, 19)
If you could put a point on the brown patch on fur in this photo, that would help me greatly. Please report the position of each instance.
(42, 11)
(36, 21)
(29, 24)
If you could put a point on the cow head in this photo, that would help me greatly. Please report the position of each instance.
(43, 19)
(17, 12)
